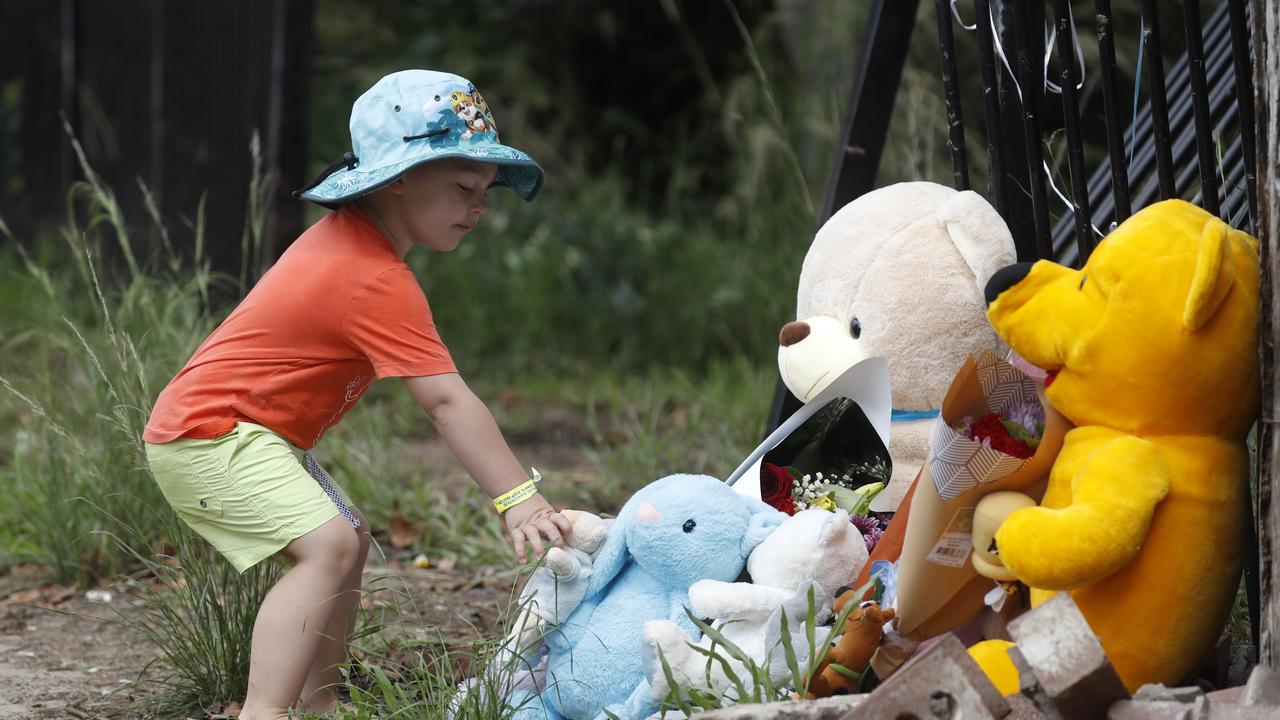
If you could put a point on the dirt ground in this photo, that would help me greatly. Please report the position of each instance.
(63, 653)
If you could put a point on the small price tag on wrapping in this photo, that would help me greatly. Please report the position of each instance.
(953, 547)
(959, 464)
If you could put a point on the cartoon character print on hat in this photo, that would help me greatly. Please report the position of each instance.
(465, 114)
(474, 112)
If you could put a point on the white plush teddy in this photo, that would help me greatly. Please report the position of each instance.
(814, 548)
(898, 273)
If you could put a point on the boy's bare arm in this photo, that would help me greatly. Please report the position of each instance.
(471, 433)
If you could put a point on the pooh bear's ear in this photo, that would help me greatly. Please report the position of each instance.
(979, 233)
(1215, 272)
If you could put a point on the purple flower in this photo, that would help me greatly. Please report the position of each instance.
(1029, 415)
(870, 529)
(872, 538)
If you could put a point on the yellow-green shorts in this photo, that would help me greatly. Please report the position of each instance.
(246, 492)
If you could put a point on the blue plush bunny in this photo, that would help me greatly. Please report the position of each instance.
(669, 535)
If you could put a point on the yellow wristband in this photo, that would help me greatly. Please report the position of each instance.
(518, 494)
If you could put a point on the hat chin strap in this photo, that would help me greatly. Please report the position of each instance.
(349, 160)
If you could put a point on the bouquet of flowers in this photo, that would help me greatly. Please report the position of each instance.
(831, 453)
(1017, 435)
(996, 432)
(786, 489)
(993, 440)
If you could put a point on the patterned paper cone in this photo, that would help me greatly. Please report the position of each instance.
(938, 588)
(959, 464)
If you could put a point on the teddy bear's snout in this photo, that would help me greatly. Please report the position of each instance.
(1005, 278)
(792, 333)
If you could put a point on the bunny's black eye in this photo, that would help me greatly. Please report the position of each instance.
(855, 329)
(1083, 278)
(689, 525)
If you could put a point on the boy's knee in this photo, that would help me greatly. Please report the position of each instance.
(333, 544)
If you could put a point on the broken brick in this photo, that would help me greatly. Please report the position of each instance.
(941, 682)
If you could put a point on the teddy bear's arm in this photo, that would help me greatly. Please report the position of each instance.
(1114, 494)
(736, 601)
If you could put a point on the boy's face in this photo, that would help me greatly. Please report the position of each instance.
(440, 201)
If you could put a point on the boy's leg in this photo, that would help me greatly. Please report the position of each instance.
(289, 627)
(318, 692)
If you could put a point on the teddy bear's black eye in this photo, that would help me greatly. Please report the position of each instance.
(689, 525)
(855, 329)
(1082, 279)
(992, 547)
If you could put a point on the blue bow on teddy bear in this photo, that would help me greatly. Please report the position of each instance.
(669, 535)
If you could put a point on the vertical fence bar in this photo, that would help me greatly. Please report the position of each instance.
(1071, 122)
(991, 107)
(1111, 109)
(1244, 101)
(1159, 101)
(951, 94)
(1028, 84)
(1200, 104)
(1180, 115)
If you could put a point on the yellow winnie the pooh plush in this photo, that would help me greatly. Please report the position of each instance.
(1151, 350)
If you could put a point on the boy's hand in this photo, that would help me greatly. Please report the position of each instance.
(533, 520)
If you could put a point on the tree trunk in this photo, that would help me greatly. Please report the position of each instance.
(1266, 78)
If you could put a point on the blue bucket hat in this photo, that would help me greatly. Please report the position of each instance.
(415, 116)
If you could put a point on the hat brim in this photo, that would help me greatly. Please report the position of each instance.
(516, 170)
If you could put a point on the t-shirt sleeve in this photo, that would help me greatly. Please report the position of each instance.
(389, 321)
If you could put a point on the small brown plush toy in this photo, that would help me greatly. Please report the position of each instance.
(853, 651)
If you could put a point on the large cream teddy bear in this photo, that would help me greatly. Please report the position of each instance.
(815, 549)
(898, 273)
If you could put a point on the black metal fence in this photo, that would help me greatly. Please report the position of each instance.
(1192, 137)
(166, 93)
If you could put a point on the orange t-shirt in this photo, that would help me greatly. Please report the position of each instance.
(338, 309)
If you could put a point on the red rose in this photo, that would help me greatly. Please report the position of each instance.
(989, 427)
(775, 488)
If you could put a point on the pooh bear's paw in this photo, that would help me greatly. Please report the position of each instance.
(1114, 496)
(993, 657)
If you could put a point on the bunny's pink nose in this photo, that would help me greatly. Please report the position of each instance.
(792, 333)
(647, 513)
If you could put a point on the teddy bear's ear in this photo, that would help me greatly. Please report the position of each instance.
(1215, 272)
(835, 528)
(979, 233)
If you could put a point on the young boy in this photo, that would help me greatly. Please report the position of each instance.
(339, 309)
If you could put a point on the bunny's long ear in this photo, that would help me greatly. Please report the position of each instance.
(611, 557)
(764, 520)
